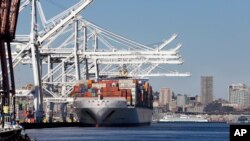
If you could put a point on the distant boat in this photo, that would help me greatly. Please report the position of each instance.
(243, 119)
(183, 118)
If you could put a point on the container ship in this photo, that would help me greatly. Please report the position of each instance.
(113, 102)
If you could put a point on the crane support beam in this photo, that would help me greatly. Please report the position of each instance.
(63, 22)
(177, 74)
(166, 42)
(72, 47)
(8, 21)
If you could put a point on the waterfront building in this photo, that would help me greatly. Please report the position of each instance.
(191, 101)
(181, 100)
(198, 108)
(235, 106)
(156, 103)
(239, 94)
(198, 98)
(173, 106)
(165, 96)
(206, 89)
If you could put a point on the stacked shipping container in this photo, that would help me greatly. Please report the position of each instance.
(137, 92)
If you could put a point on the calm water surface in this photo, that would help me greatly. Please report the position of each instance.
(155, 132)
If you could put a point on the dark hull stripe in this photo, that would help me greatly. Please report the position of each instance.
(77, 124)
(116, 124)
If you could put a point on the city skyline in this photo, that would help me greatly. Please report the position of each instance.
(214, 35)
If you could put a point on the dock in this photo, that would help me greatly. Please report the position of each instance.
(51, 125)
(8, 134)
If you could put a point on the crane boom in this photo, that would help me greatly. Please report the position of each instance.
(64, 21)
(166, 42)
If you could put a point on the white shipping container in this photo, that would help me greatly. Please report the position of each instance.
(132, 89)
(125, 81)
(121, 85)
(82, 81)
(127, 86)
(98, 85)
(133, 94)
(133, 100)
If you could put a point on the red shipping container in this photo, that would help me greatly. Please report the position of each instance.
(135, 81)
(114, 89)
(117, 94)
(76, 89)
(103, 89)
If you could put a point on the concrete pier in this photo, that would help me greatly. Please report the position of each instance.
(52, 125)
(8, 134)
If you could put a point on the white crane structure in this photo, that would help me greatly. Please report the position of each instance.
(71, 48)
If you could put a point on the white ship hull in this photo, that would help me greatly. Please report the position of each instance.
(182, 118)
(111, 112)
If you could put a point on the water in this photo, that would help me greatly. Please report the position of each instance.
(155, 132)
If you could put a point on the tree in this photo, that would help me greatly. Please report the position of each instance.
(216, 107)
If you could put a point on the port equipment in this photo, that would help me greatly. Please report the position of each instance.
(8, 21)
(73, 48)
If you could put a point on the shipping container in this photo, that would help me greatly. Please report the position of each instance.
(127, 85)
(94, 94)
(89, 81)
(113, 89)
(81, 81)
(129, 81)
(89, 90)
(82, 90)
(76, 89)
(136, 92)
(99, 85)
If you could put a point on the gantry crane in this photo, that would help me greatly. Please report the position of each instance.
(86, 51)
(8, 21)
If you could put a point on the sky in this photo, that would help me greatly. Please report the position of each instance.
(215, 35)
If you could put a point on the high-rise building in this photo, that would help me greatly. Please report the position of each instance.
(206, 89)
(165, 96)
(181, 100)
(239, 94)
